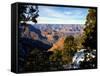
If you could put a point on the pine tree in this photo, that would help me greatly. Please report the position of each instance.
(28, 13)
(90, 30)
(90, 40)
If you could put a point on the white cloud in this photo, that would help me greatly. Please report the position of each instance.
(52, 13)
(68, 13)
(46, 20)
(55, 15)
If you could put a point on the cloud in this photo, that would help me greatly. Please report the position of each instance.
(61, 15)
(47, 20)
(51, 12)
(68, 13)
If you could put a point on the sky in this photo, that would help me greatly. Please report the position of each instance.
(62, 15)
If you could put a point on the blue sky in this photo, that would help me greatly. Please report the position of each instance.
(62, 15)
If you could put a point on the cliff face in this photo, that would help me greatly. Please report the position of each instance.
(58, 45)
(51, 34)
